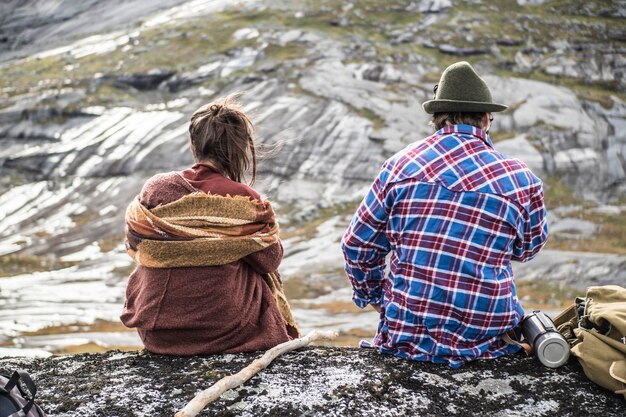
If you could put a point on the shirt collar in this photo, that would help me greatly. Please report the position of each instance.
(466, 130)
(204, 166)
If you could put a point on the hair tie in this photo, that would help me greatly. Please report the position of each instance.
(215, 108)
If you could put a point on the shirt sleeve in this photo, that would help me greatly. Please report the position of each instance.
(533, 232)
(365, 245)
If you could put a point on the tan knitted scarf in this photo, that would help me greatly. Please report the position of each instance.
(204, 230)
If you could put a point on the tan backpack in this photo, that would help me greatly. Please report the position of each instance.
(595, 327)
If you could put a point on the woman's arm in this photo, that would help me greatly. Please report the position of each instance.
(266, 260)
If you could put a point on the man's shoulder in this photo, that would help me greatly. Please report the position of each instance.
(441, 158)
(453, 162)
(507, 177)
(517, 168)
(407, 162)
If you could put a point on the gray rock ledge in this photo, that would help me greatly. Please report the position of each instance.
(315, 381)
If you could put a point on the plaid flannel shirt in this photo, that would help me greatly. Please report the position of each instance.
(453, 212)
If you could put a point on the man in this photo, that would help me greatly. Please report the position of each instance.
(453, 212)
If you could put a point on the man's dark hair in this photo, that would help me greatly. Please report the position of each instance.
(441, 120)
(221, 133)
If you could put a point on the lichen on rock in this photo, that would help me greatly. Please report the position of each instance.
(314, 381)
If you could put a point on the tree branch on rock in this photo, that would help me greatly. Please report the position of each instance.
(197, 404)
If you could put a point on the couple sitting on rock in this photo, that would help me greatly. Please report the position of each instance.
(451, 211)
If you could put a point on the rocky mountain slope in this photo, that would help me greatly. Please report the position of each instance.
(95, 99)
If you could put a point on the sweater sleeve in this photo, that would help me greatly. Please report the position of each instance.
(266, 260)
(162, 189)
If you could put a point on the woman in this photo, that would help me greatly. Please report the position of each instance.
(207, 249)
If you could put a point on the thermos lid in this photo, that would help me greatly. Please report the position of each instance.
(552, 350)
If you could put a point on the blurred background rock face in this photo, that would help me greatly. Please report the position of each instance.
(95, 97)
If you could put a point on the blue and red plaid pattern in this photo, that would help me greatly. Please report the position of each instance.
(452, 212)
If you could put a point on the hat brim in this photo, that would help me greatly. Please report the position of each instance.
(447, 106)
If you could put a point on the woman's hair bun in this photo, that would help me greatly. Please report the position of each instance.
(215, 109)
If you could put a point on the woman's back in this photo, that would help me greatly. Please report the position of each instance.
(208, 308)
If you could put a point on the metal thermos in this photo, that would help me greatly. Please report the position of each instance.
(549, 345)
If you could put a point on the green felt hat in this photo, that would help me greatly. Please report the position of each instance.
(460, 89)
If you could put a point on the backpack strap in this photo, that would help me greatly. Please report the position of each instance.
(567, 315)
(567, 321)
(510, 338)
(23, 376)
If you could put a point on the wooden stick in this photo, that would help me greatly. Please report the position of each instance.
(197, 404)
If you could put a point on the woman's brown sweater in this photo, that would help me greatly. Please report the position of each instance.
(210, 309)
